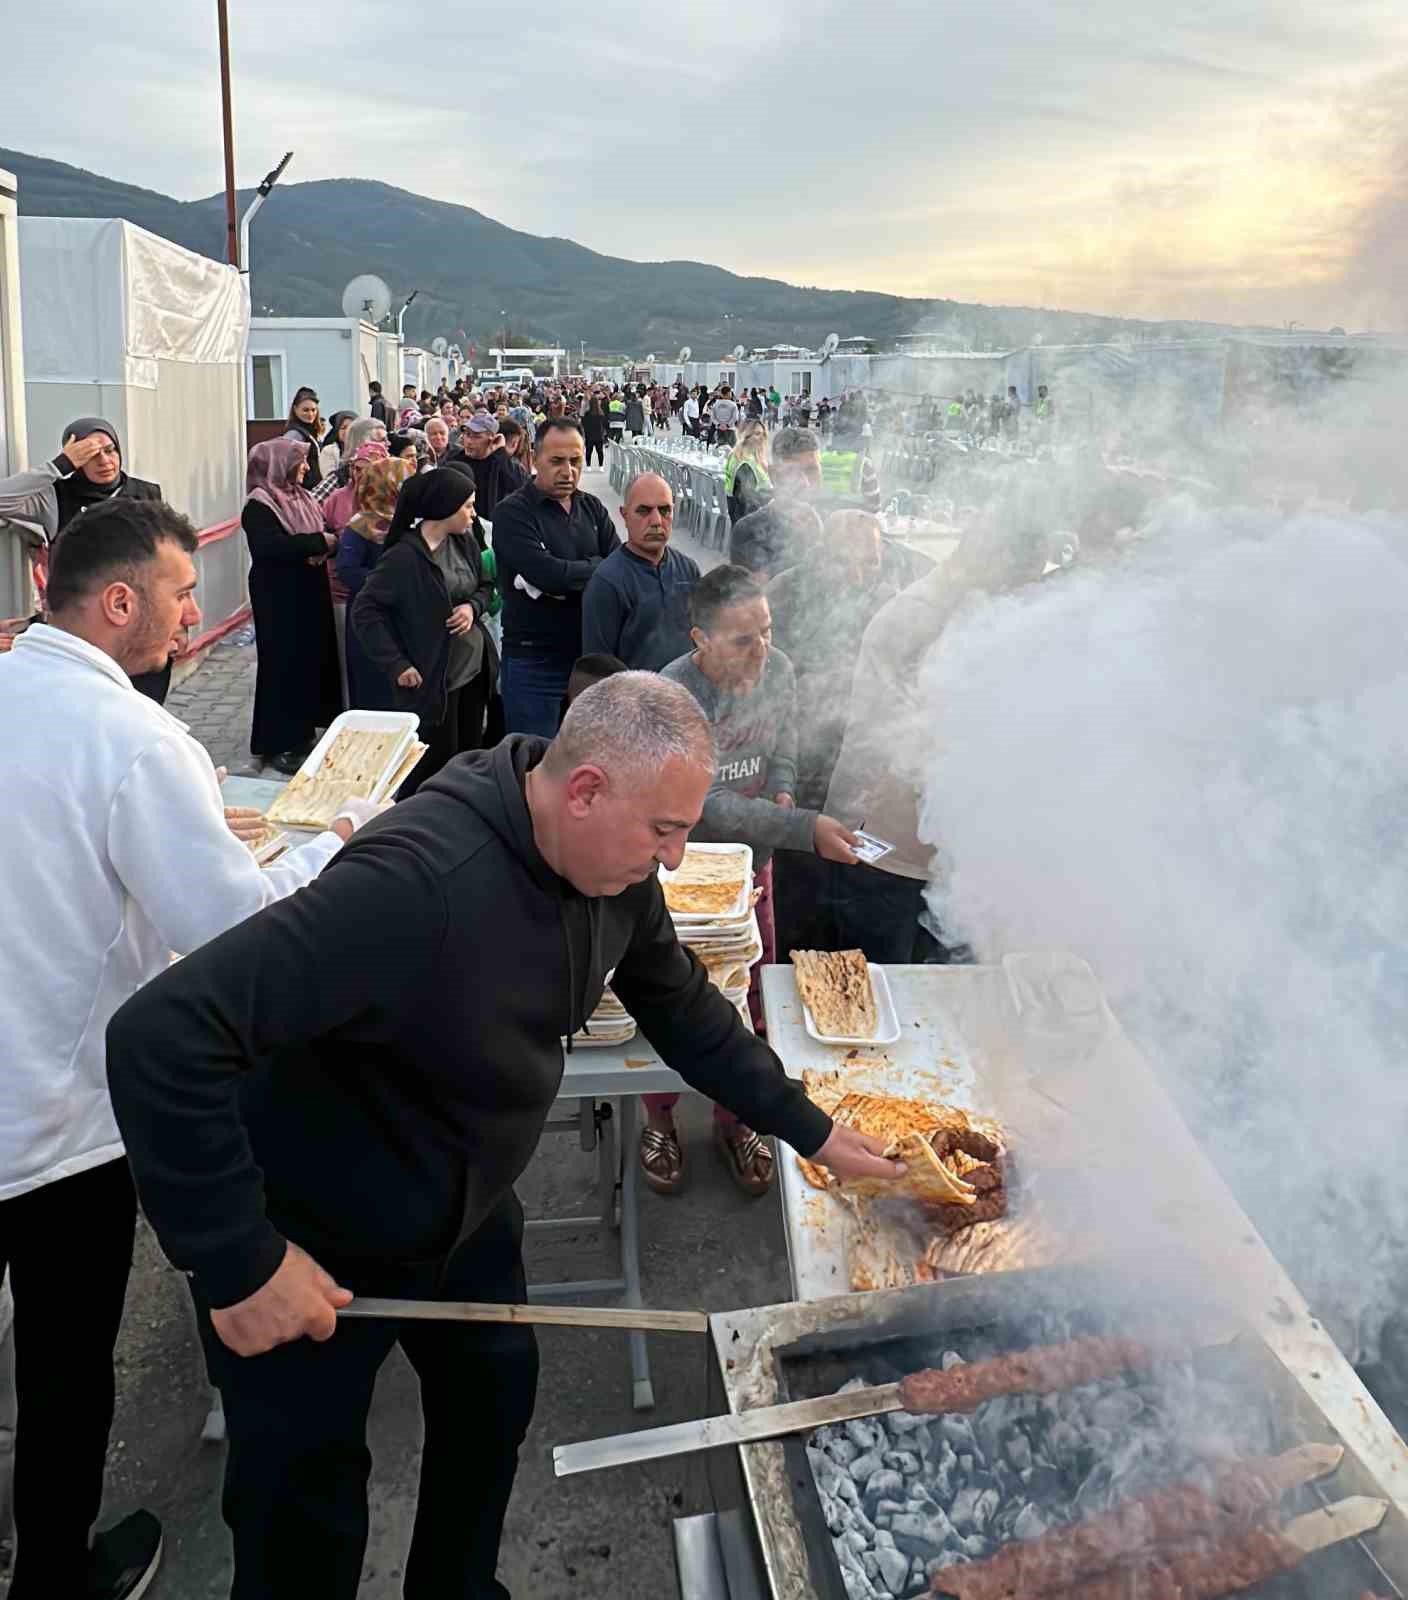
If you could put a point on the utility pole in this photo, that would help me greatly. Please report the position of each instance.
(232, 229)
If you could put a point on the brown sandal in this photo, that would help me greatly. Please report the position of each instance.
(748, 1157)
(662, 1160)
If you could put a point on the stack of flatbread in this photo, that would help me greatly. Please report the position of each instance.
(610, 1023)
(707, 884)
(355, 766)
(835, 987)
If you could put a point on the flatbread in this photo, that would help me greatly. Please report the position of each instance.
(835, 987)
(353, 767)
(706, 883)
(904, 1125)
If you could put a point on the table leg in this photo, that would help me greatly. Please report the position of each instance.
(642, 1390)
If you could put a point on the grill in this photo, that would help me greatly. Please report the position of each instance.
(779, 1535)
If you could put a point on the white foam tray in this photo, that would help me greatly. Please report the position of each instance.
(887, 1022)
(406, 723)
(739, 908)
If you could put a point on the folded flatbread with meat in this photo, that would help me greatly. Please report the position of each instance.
(706, 883)
(353, 766)
(908, 1128)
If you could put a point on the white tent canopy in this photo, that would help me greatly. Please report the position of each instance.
(105, 301)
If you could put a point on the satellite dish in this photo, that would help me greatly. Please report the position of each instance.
(456, 354)
(650, 359)
(685, 354)
(828, 348)
(738, 352)
(368, 297)
(439, 344)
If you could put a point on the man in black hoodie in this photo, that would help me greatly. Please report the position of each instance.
(336, 1097)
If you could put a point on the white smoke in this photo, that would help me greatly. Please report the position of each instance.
(1188, 763)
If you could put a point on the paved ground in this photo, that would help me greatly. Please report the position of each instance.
(602, 1535)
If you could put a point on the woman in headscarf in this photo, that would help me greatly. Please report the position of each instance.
(330, 451)
(86, 472)
(297, 689)
(358, 551)
(305, 423)
(402, 444)
(746, 480)
(420, 617)
(341, 504)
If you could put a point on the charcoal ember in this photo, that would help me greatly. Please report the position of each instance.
(1095, 1494)
(965, 1466)
(904, 1461)
(1030, 1523)
(834, 1514)
(922, 1534)
(952, 1359)
(885, 1484)
(1064, 1442)
(964, 1511)
(918, 1580)
(887, 1508)
(846, 1490)
(858, 1586)
(824, 1470)
(1116, 1410)
(884, 1539)
(851, 1384)
(902, 1422)
(941, 1482)
(864, 1434)
(958, 1432)
(1100, 1440)
(949, 1558)
(865, 1467)
(893, 1568)
(1042, 1482)
(842, 1451)
(975, 1547)
(989, 1502)
(856, 1540)
(922, 1440)
(1018, 1450)
(872, 1571)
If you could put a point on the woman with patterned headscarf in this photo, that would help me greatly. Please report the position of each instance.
(358, 551)
(297, 687)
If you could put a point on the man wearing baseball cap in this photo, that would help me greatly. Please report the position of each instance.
(495, 475)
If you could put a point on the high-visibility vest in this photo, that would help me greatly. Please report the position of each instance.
(841, 471)
(1043, 410)
(731, 467)
(955, 408)
(617, 408)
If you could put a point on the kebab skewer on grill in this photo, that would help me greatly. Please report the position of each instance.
(1242, 1492)
(1044, 1369)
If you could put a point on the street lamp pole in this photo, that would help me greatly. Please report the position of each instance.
(232, 236)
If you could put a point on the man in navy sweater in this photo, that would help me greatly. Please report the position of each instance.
(636, 606)
(549, 538)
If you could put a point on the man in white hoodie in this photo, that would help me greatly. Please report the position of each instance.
(114, 853)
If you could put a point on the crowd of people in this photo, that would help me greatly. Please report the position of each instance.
(395, 1028)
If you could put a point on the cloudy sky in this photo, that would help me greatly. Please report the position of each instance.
(1230, 159)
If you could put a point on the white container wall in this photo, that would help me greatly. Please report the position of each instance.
(337, 356)
(16, 597)
(388, 348)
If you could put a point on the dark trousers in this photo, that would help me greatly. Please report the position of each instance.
(68, 1246)
(878, 912)
(600, 448)
(534, 688)
(296, 1474)
(461, 728)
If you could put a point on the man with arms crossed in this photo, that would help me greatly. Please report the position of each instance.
(336, 1098)
(114, 854)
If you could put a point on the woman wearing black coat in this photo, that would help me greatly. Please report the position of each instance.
(298, 687)
(305, 423)
(420, 616)
(594, 431)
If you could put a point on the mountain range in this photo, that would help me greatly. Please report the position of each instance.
(478, 278)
